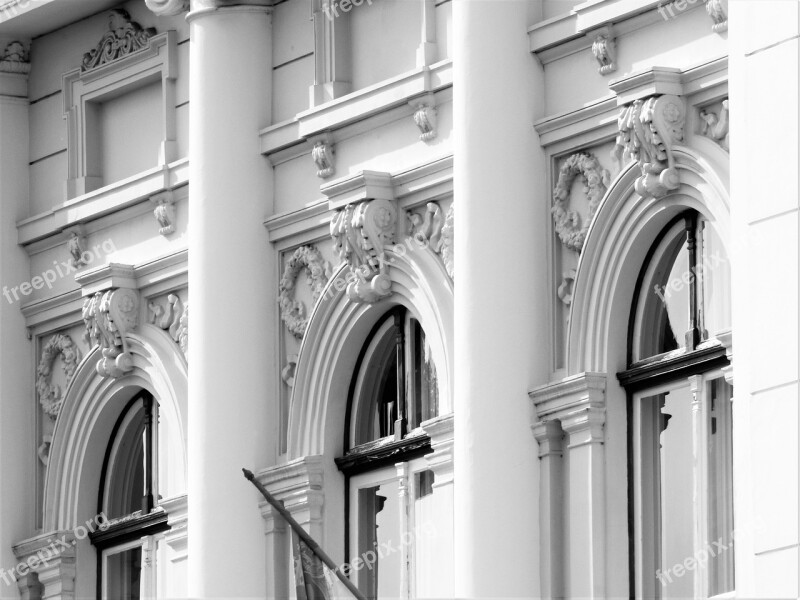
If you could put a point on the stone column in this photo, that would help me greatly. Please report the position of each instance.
(500, 217)
(233, 286)
(18, 460)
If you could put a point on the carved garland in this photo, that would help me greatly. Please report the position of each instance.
(293, 312)
(122, 38)
(49, 394)
(568, 222)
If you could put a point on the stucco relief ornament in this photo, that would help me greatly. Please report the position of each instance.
(648, 131)
(109, 316)
(446, 248)
(122, 38)
(15, 59)
(362, 233)
(169, 317)
(50, 394)
(75, 248)
(595, 181)
(164, 212)
(322, 153)
(425, 120)
(306, 259)
(434, 230)
(716, 127)
(717, 10)
(604, 51)
(167, 8)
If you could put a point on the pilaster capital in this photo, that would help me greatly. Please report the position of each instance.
(584, 426)
(577, 402)
(549, 435)
(47, 565)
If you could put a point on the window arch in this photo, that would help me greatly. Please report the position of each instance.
(390, 509)
(680, 416)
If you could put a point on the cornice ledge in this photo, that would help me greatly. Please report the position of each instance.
(655, 81)
(573, 117)
(562, 399)
(304, 472)
(365, 185)
(107, 277)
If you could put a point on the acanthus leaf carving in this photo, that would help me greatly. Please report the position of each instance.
(49, 394)
(648, 131)
(172, 317)
(604, 51)
(716, 127)
(306, 259)
(362, 234)
(15, 59)
(122, 38)
(109, 316)
(595, 180)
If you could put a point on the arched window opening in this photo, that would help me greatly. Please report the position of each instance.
(392, 503)
(129, 498)
(680, 417)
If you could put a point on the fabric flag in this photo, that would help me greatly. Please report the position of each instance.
(309, 573)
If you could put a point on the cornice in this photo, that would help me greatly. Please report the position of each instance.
(652, 82)
(561, 399)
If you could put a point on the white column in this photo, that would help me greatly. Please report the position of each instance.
(500, 216)
(17, 400)
(232, 417)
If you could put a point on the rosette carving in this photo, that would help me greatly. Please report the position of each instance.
(567, 221)
(50, 395)
(306, 259)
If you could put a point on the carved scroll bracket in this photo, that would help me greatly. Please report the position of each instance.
(322, 154)
(604, 49)
(648, 131)
(425, 117)
(109, 316)
(164, 211)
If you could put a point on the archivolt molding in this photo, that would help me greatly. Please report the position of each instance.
(568, 222)
(50, 395)
(90, 408)
(336, 332)
(122, 38)
(618, 240)
(306, 259)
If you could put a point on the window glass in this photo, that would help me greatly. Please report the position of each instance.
(379, 528)
(123, 574)
(426, 385)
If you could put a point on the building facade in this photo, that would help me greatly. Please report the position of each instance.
(482, 291)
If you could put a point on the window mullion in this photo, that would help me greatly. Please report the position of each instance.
(147, 498)
(693, 335)
(400, 349)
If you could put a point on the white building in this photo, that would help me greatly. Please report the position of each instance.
(598, 399)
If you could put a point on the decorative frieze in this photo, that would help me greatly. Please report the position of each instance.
(718, 11)
(164, 211)
(167, 8)
(109, 316)
(122, 38)
(60, 345)
(171, 316)
(15, 59)
(605, 52)
(715, 125)
(322, 153)
(308, 260)
(362, 234)
(648, 131)
(567, 222)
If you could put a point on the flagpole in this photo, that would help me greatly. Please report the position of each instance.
(303, 535)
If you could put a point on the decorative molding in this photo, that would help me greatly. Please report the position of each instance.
(122, 38)
(167, 8)
(75, 248)
(447, 249)
(718, 11)
(183, 331)
(306, 259)
(170, 317)
(425, 116)
(15, 59)
(440, 461)
(362, 233)
(605, 51)
(289, 370)
(569, 396)
(595, 180)
(109, 316)
(50, 395)
(648, 131)
(322, 153)
(567, 286)
(299, 485)
(433, 230)
(54, 577)
(715, 125)
(164, 211)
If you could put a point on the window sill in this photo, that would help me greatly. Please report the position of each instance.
(673, 365)
(383, 452)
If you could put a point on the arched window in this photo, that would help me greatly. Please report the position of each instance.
(391, 511)
(129, 499)
(680, 417)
